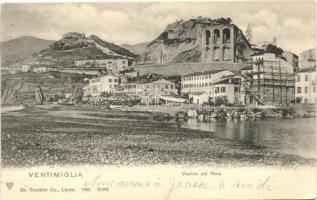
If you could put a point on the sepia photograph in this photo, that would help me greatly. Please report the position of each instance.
(170, 91)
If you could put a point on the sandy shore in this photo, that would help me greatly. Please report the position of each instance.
(68, 135)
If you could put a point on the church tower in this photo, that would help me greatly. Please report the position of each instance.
(248, 34)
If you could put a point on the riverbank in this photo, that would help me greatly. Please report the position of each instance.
(75, 135)
(10, 108)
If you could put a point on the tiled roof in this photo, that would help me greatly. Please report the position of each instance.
(205, 72)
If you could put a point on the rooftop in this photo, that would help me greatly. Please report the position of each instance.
(309, 69)
(205, 72)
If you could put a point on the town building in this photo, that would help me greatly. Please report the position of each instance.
(108, 84)
(115, 65)
(200, 82)
(225, 91)
(291, 58)
(308, 58)
(130, 73)
(26, 68)
(271, 81)
(40, 69)
(150, 88)
(306, 85)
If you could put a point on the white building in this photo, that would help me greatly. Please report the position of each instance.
(40, 69)
(200, 82)
(26, 68)
(306, 85)
(115, 65)
(226, 88)
(271, 64)
(108, 83)
(146, 88)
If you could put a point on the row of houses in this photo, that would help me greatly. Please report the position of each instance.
(112, 84)
(115, 65)
(33, 67)
(268, 80)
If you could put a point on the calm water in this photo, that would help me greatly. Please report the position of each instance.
(294, 136)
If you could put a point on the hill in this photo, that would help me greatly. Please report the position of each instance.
(21, 48)
(76, 46)
(139, 48)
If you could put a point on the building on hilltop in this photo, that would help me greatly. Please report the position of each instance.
(74, 35)
(201, 40)
(224, 43)
(306, 85)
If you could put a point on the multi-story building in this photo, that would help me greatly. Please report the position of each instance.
(226, 89)
(108, 83)
(115, 65)
(291, 58)
(306, 85)
(308, 58)
(149, 88)
(200, 82)
(271, 81)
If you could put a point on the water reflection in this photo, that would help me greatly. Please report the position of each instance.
(287, 136)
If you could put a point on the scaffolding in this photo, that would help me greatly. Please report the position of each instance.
(268, 84)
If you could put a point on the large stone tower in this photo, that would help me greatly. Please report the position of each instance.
(224, 43)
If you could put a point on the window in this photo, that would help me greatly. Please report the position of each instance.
(217, 90)
(206, 84)
(314, 89)
(216, 36)
(171, 86)
(306, 77)
(110, 80)
(298, 78)
(166, 86)
(115, 80)
(223, 89)
(226, 36)
(207, 37)
(299, 90)
(306, 90)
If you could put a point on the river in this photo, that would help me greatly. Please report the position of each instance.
(291, 136)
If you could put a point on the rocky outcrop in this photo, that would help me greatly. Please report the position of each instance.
(9, 90)
(179, 39)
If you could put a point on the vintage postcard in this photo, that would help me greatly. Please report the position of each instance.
(158, 100)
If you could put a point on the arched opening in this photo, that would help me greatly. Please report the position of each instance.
(226, 36)
(207, 37)
(216, 54)
(226, 55)
(216, 36)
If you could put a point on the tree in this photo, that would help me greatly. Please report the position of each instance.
(270, 48)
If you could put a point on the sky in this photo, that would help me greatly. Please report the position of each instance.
(292, 23)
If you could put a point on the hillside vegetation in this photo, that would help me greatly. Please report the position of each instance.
(19, 49)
